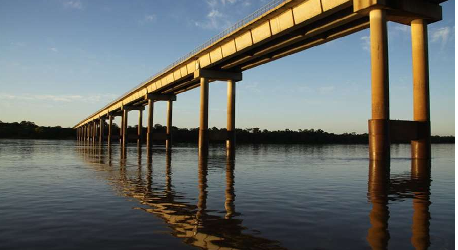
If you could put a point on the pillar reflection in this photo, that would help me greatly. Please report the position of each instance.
(230, 193)
(202, 178)
(168, 174)
(378, 184)
(421, 178)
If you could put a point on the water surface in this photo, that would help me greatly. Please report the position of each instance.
(67, 195)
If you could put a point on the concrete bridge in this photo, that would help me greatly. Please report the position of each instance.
(279, 29)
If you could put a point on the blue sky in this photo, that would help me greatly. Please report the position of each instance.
(61, 60)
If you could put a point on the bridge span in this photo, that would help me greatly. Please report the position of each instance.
(279, 29)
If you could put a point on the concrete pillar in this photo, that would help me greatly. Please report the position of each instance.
(102, 130)
(124, 128)
(149, 132)
(94, 135)
(168, 141)
(110, 127)
(121, 127)
(378, 184)
(421, 149)
(230, 142)
(140, 126)
(203, 128)
(379, 140)
(421, 176)
(85, 132)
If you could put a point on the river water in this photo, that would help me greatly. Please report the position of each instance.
(66, 195)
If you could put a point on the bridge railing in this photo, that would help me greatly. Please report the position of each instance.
(264, 9)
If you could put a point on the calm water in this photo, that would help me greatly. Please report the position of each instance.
(63, 195)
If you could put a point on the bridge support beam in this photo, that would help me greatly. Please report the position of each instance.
(230, 142)
(203, 127)
(421, 148)
(149, 130)
(140, 127)
(379, 138)
(168, 141)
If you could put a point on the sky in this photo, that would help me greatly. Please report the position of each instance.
(61, 60)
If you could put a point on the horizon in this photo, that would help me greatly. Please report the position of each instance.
(219, 128)
(92, 52)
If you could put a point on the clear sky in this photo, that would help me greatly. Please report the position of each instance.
(61, 60)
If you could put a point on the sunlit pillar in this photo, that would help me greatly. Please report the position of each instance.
(421, 149)
(102, 129)
(110, 127)
(94, 135)
(121, 127)
(378, 234)
(230, 142)
(421, 176)
(203, 128)
(124, 128)
(140, 126)
(149, 131)
(168, 142)
(379, 142)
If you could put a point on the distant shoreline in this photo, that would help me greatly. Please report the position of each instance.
(29, 130)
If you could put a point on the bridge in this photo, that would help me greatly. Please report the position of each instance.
(279, 29)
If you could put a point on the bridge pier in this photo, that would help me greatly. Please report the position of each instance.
(168, 141)
(101, 130)
(125, 113)
(151, 99)
(383, 131)
(379, 138)
(140, 127)
(230, 142)
(110, 127)
(205, 76)
(203, 127)
(149, 130)
(421, 148)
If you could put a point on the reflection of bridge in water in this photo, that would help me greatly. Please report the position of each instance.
(196, 227)
(192, 223)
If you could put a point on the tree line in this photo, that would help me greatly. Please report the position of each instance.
(29, 130)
